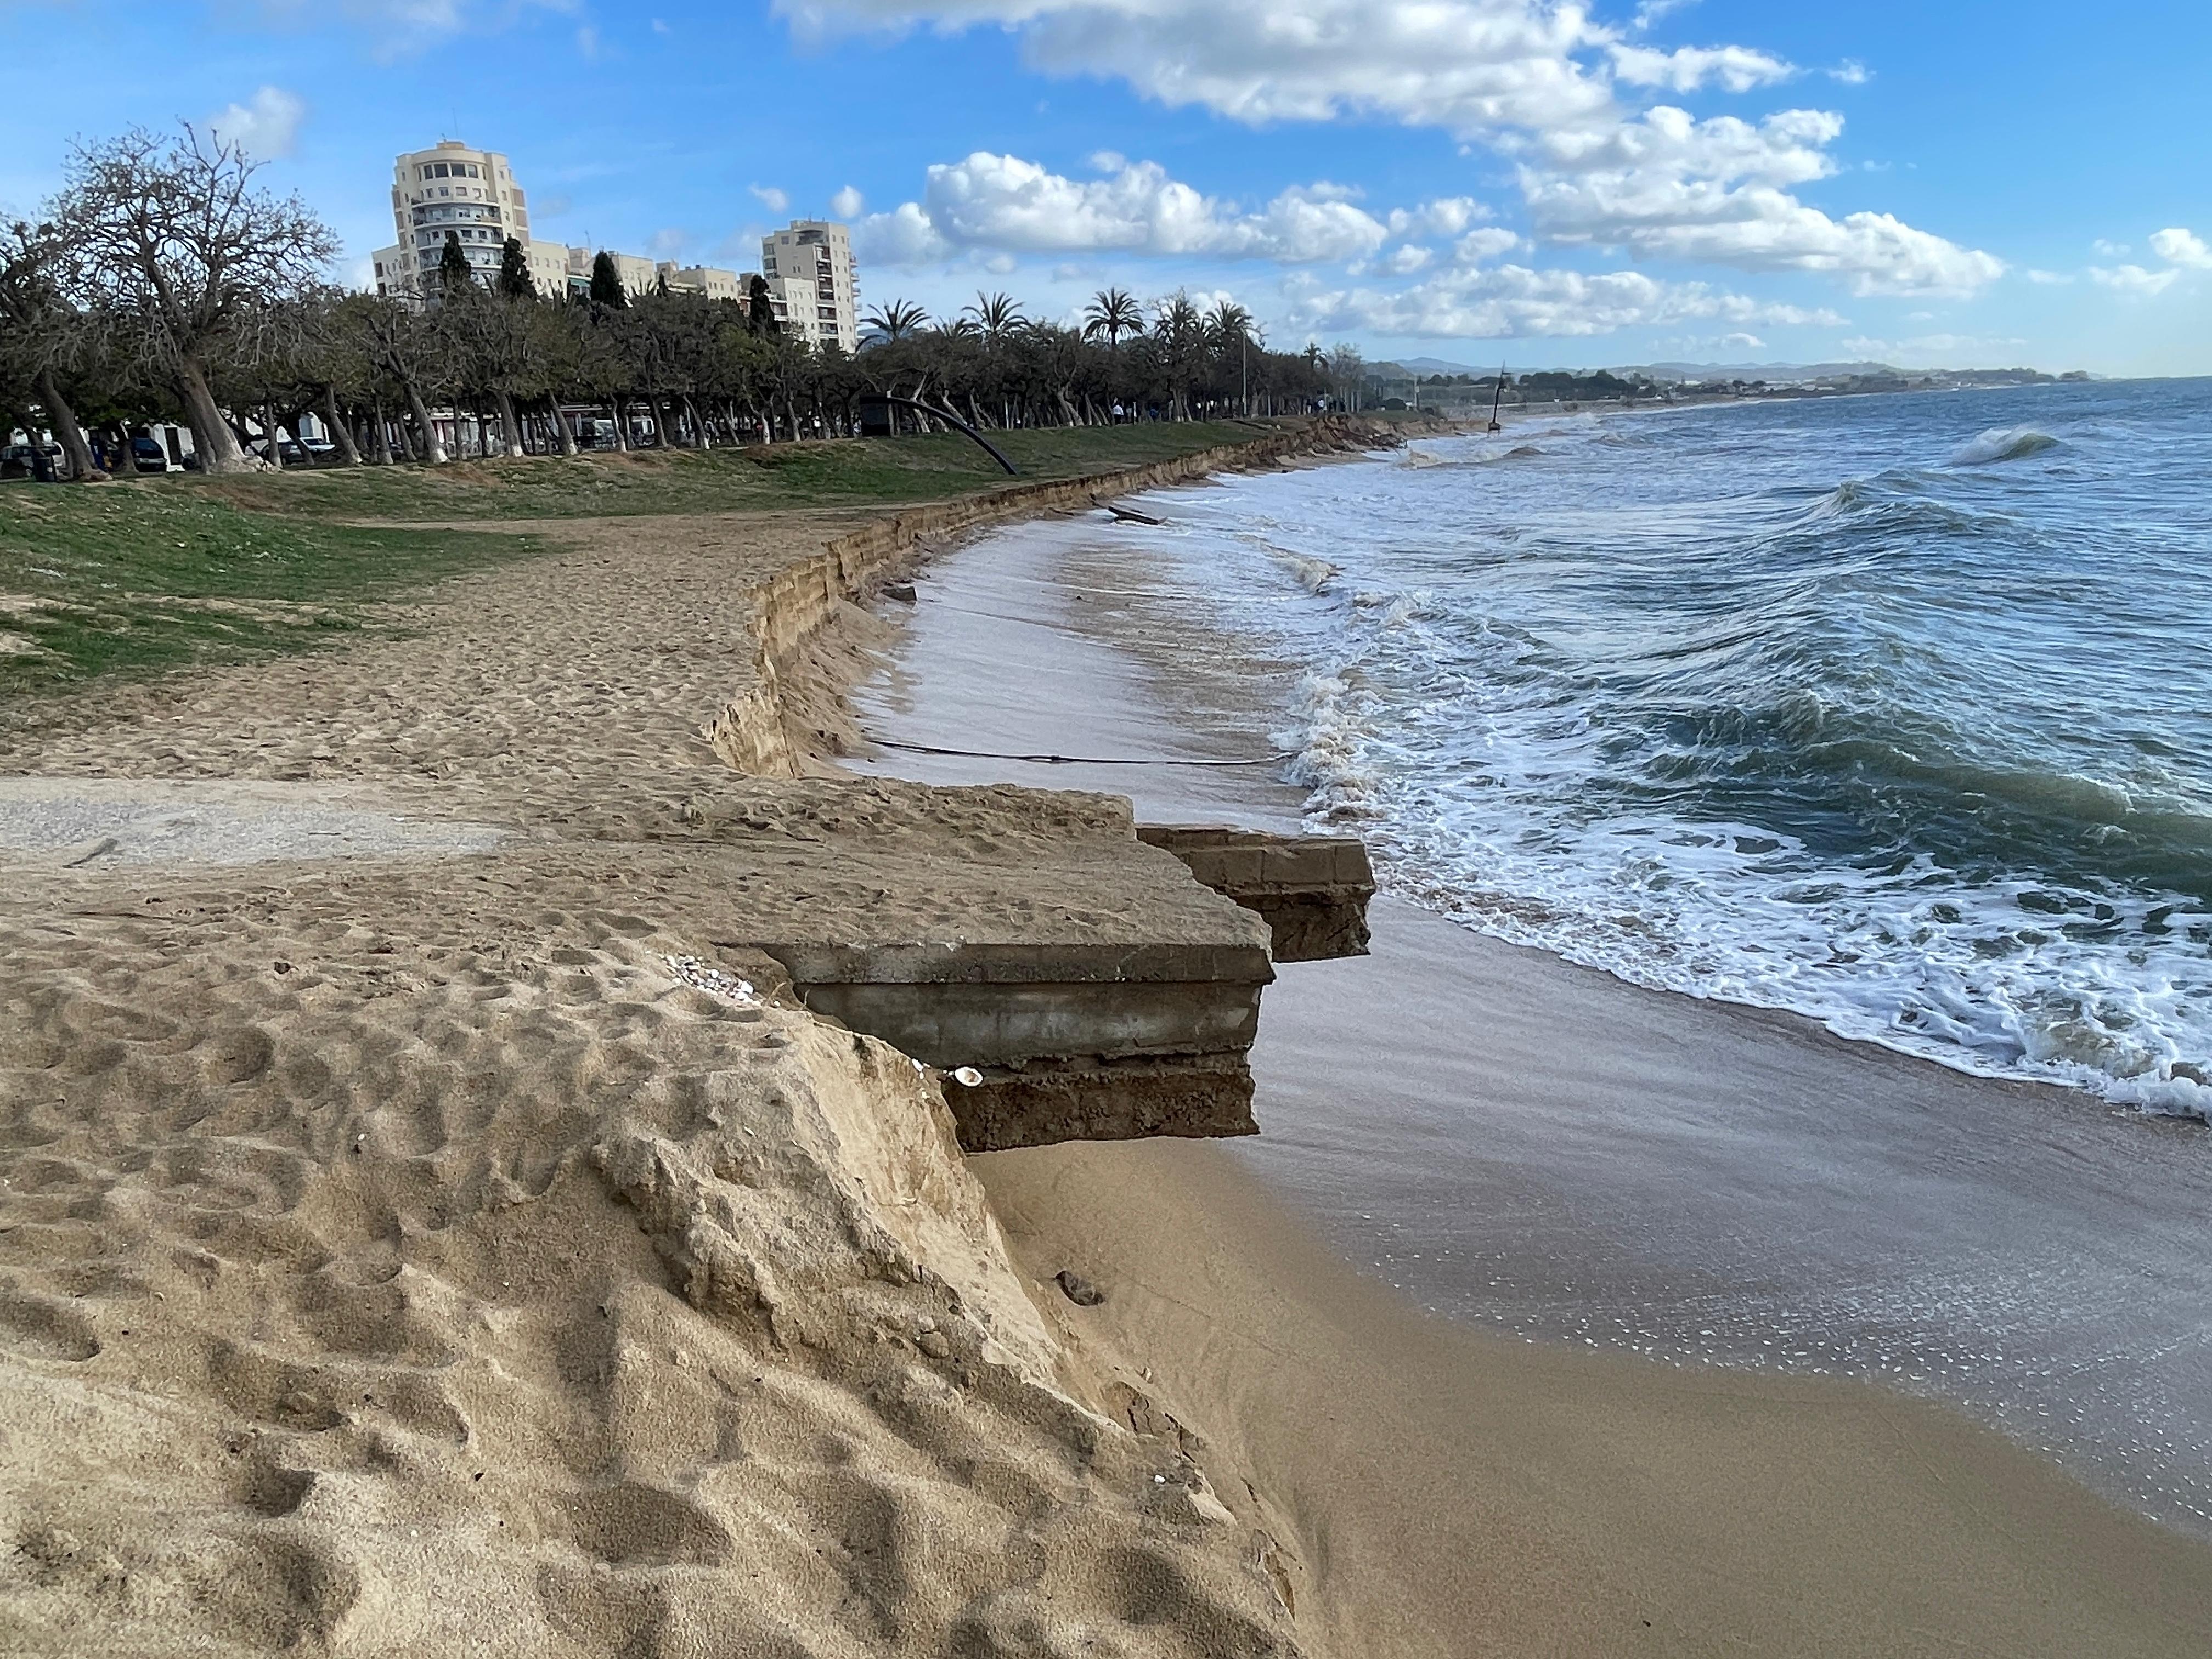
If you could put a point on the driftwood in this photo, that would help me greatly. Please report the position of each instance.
(1126, 514)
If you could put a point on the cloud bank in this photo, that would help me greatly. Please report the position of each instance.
(1546, 84)
(990, 203)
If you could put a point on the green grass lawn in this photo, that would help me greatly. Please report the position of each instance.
(148, 574)
(124, 579)
(849, 473)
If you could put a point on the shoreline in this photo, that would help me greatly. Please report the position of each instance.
(1315, 1019)
(408, 1249)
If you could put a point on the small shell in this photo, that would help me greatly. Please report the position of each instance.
(967, 1076)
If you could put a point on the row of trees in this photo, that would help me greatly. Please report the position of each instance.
(1171, 361)
(164, 284)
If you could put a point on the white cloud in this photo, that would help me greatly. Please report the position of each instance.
(1669, 185)
(904, 236)
(267, 129)
(1542, 80)
(2178, 247)
(847, 203)
(2134, 279)
(2048, 278)
(1404, 260)
(587, 44)
(769, 197)
(1003, 204)
(668, 243)
(1467, 65)
(1513, 301)
(1446, 215)
(1488, 243)
(2112, 250)
(1686, 69)
(1741, 342)
(1790, 148)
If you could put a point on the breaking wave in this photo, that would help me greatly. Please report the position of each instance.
(2008, 443)
(1764, 707)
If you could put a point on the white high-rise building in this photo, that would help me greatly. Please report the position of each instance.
(813, 282)
(471, 194)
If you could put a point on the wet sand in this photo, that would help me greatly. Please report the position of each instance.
(1522, 1144)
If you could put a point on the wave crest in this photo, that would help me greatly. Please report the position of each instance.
(2003, 443)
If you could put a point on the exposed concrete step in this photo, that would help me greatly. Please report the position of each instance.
(1311, 890)
(1074, 1041)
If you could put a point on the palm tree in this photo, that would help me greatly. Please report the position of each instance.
(1179, 334)
(1228, 325)
(1178, 325)
(895, 321)
(998, 314)
(1113, 313)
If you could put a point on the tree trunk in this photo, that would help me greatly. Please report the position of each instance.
(433, 446)
(509, 428)
(63, 420)
(561, 429)
(217, 445)
(341, 431)
(622, 428)
(269, 433)
(699, 433)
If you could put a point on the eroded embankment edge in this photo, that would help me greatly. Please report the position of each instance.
(751, 731)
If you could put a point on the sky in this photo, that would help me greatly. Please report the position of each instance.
(1967, 183)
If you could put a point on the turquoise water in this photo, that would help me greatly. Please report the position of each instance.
(1893, 711)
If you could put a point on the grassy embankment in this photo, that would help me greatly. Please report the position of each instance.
(145, 575)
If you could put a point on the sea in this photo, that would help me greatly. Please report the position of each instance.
(1894, 711)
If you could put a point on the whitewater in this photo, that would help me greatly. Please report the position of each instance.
(1892, 711)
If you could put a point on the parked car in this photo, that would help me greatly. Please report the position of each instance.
(20, 461)
(147, 455)
(316, 451)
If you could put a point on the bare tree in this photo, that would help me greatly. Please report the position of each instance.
(40, 330)
(401, 346)
(178, 237)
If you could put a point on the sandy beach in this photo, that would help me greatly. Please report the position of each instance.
(430, 1226)
(1517, 1142)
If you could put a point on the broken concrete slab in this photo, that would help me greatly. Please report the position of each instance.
(1311, 890)
(1098, 1041)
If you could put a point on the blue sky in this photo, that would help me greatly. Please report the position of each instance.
(1971, 183)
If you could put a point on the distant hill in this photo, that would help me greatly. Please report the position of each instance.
(1755, 371)
(1427, 366)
